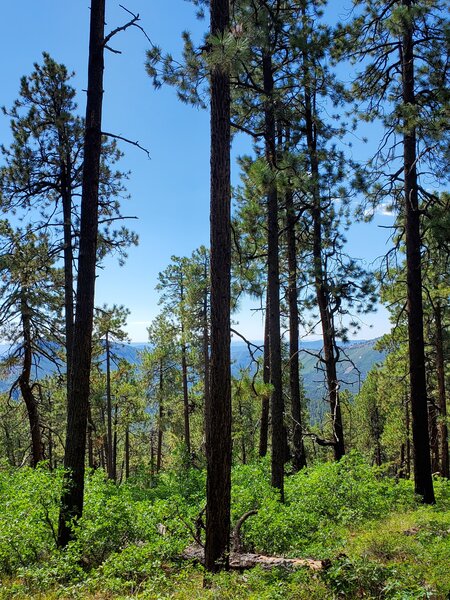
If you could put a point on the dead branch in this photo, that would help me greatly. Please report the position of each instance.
(247, 560)
(128, 141)
(236, 542)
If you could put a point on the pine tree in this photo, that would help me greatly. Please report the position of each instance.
(406, 79)
(29, 318)
(109, 327)
(43, 174)
(78, 400)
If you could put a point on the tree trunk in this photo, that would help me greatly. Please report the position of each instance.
(206, 366)
(90, 431)
(114, 461)
(299, 457)
(187, 429)
(127, 452)
(218, 407)
(109, 434)
(160, 418)
(37, 447)
(377, 432)
(66, 198)
(408, 438)
(326, 318)
(78, 401)
(442, 403)
(265, 400)
(423, 482)
(273, 284)
(434, 436)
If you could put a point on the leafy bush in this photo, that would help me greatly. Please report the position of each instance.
(381, 543)
(320, 503)
(29, 500)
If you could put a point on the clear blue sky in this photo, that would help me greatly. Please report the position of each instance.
(170, 192)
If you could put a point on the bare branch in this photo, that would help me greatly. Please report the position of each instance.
(124, 139)
(112, 50)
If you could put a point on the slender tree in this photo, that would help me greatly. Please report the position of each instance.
(218, 407)
(406, 79)
(43, 172)
(78, 401)
(29, 312)
(109, 324)
(173, 283)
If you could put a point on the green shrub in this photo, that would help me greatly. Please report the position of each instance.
(28, 516)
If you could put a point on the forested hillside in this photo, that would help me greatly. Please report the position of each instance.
(199, 463)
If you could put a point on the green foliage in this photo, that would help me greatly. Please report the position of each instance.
(28, 513)
(379, 542)
(320, 503)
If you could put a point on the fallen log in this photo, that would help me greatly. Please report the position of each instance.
(247, 560)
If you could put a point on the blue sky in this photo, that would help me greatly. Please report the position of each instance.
(170, 192)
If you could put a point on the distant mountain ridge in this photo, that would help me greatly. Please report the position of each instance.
(358, 356)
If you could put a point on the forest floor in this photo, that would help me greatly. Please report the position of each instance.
(375, 539)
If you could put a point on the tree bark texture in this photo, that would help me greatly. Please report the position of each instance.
(218, 407)
(265, 400)
(160, 418)
(421, 441)
(299, 457)
(187, 429)
(37, 447)
(66, 199)
(273, 283)
(440, 372)
(127, 452)
(78, 401)
(206, 365)
(109, 456)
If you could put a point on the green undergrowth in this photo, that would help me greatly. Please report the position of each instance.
(378, 541)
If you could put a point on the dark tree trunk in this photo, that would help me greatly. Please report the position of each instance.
(265, 400)
(66, 197)
(101, 455)
(78, 401)
(160, 418)
(187, 429)
(127, 451)
(423, 482)
(440, 372)
(114, 461)
(326, 318)
(408, 438)
(90, 448)
(37, 446)
(402, 469)
(50, 446)
(218, 407)
(434, 436)
(299, 457)
(206, 366)
(90, 432)
(377, 433)
(273, 284)
(109, 431)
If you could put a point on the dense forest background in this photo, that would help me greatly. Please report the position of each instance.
(153, 470)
